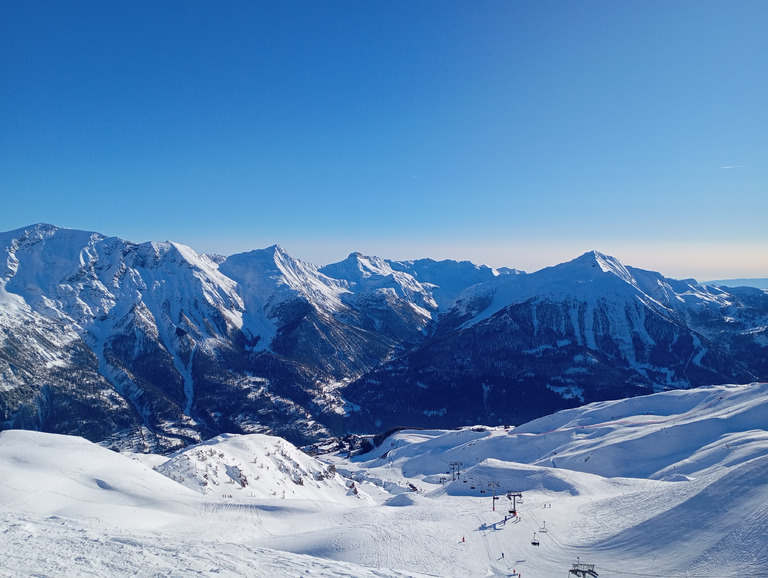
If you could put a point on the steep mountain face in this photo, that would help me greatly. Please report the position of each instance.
(49, 375)
(177, 347)
(151, 346)
(587, 330)
(143, 313)
(388, 301)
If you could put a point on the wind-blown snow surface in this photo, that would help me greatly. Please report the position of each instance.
(671, 484)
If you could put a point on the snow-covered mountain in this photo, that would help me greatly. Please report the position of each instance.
(152, 346)
(670, 484)
(519, 346)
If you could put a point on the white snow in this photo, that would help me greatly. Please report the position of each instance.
(256, 466)
(671, 484)
(367, 274)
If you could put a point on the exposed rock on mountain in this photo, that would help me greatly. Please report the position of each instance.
(587, 330)
(152, 346)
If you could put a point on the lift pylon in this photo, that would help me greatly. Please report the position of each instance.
(583, 570)
(514, 496)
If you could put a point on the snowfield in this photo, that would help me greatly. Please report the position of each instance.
(670, 484)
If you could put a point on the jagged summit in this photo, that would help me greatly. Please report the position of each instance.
(66, 242)
(272, 254)
(38, 230)
(152, 346)
(375, 279)
(358, 266)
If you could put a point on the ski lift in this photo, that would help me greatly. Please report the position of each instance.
(583, 570)
(513, 512)
(534, 542)
(543, 529)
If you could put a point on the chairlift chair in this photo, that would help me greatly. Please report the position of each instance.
(534, 542)
(543, 529)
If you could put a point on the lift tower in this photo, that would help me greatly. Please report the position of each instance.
(514, 496)
(583, 570)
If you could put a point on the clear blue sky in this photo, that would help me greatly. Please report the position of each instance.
(513, 133)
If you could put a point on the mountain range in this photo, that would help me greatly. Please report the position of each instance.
(761, 283)
(152, 347)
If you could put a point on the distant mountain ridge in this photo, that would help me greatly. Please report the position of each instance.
(761, 283)
(152, 346)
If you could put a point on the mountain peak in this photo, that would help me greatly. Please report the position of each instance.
(277, 248)
(177, 347)
(594, 256)
(42, 231)
(274, 254)
(606, 264)
(357, 266)
(41, 227)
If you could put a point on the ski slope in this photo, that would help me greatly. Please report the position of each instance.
(671, 484)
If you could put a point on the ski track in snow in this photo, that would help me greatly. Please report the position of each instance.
(69, 507)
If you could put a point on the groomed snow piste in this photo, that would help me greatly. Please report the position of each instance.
(672, 484)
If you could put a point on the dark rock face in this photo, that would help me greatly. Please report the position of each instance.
(153, 347)
(535, 357)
